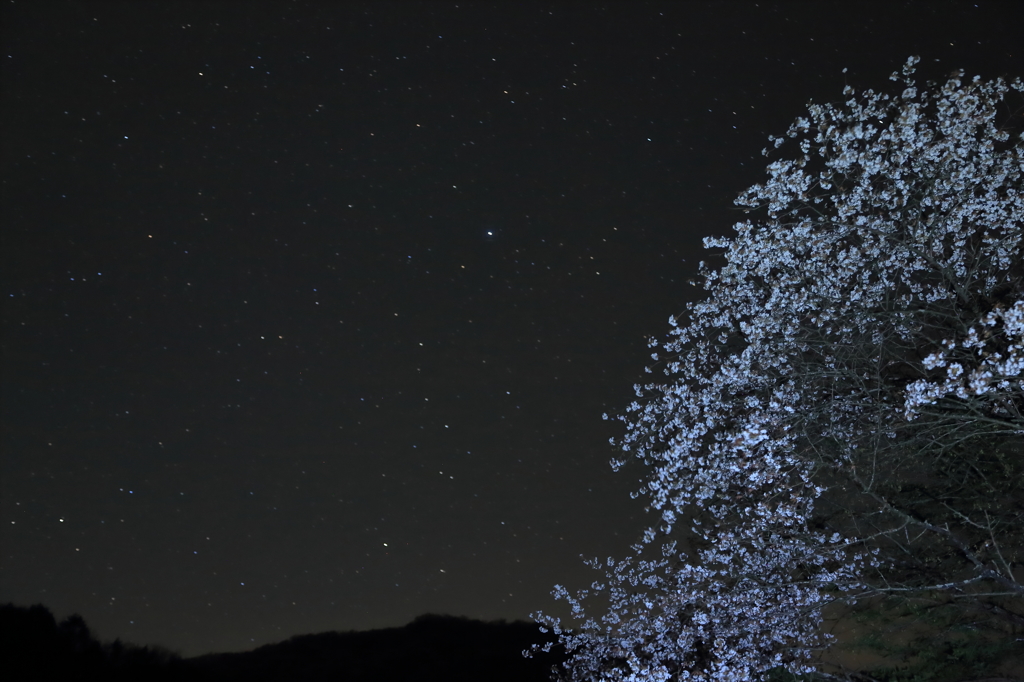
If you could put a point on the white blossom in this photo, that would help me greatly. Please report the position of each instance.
(894, 227)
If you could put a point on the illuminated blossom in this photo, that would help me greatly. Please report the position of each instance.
(879, 289)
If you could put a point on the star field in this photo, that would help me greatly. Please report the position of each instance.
(311, 310)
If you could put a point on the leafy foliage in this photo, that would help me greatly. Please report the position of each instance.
(842, 414)
(901, 641)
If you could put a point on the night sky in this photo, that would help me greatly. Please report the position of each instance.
(311, 311)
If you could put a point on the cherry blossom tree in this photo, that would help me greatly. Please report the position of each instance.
(841, 415)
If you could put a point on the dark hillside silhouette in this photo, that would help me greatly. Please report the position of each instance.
(430, 648)
(33, 646)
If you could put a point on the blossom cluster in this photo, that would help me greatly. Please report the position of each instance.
(998, 370)
(896, 223)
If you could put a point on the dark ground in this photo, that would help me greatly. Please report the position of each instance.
(33, 646)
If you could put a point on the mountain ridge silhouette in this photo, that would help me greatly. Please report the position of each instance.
(34, 646)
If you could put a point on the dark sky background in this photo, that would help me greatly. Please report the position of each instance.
(311, 311)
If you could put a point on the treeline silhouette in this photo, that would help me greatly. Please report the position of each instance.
(34, 646)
